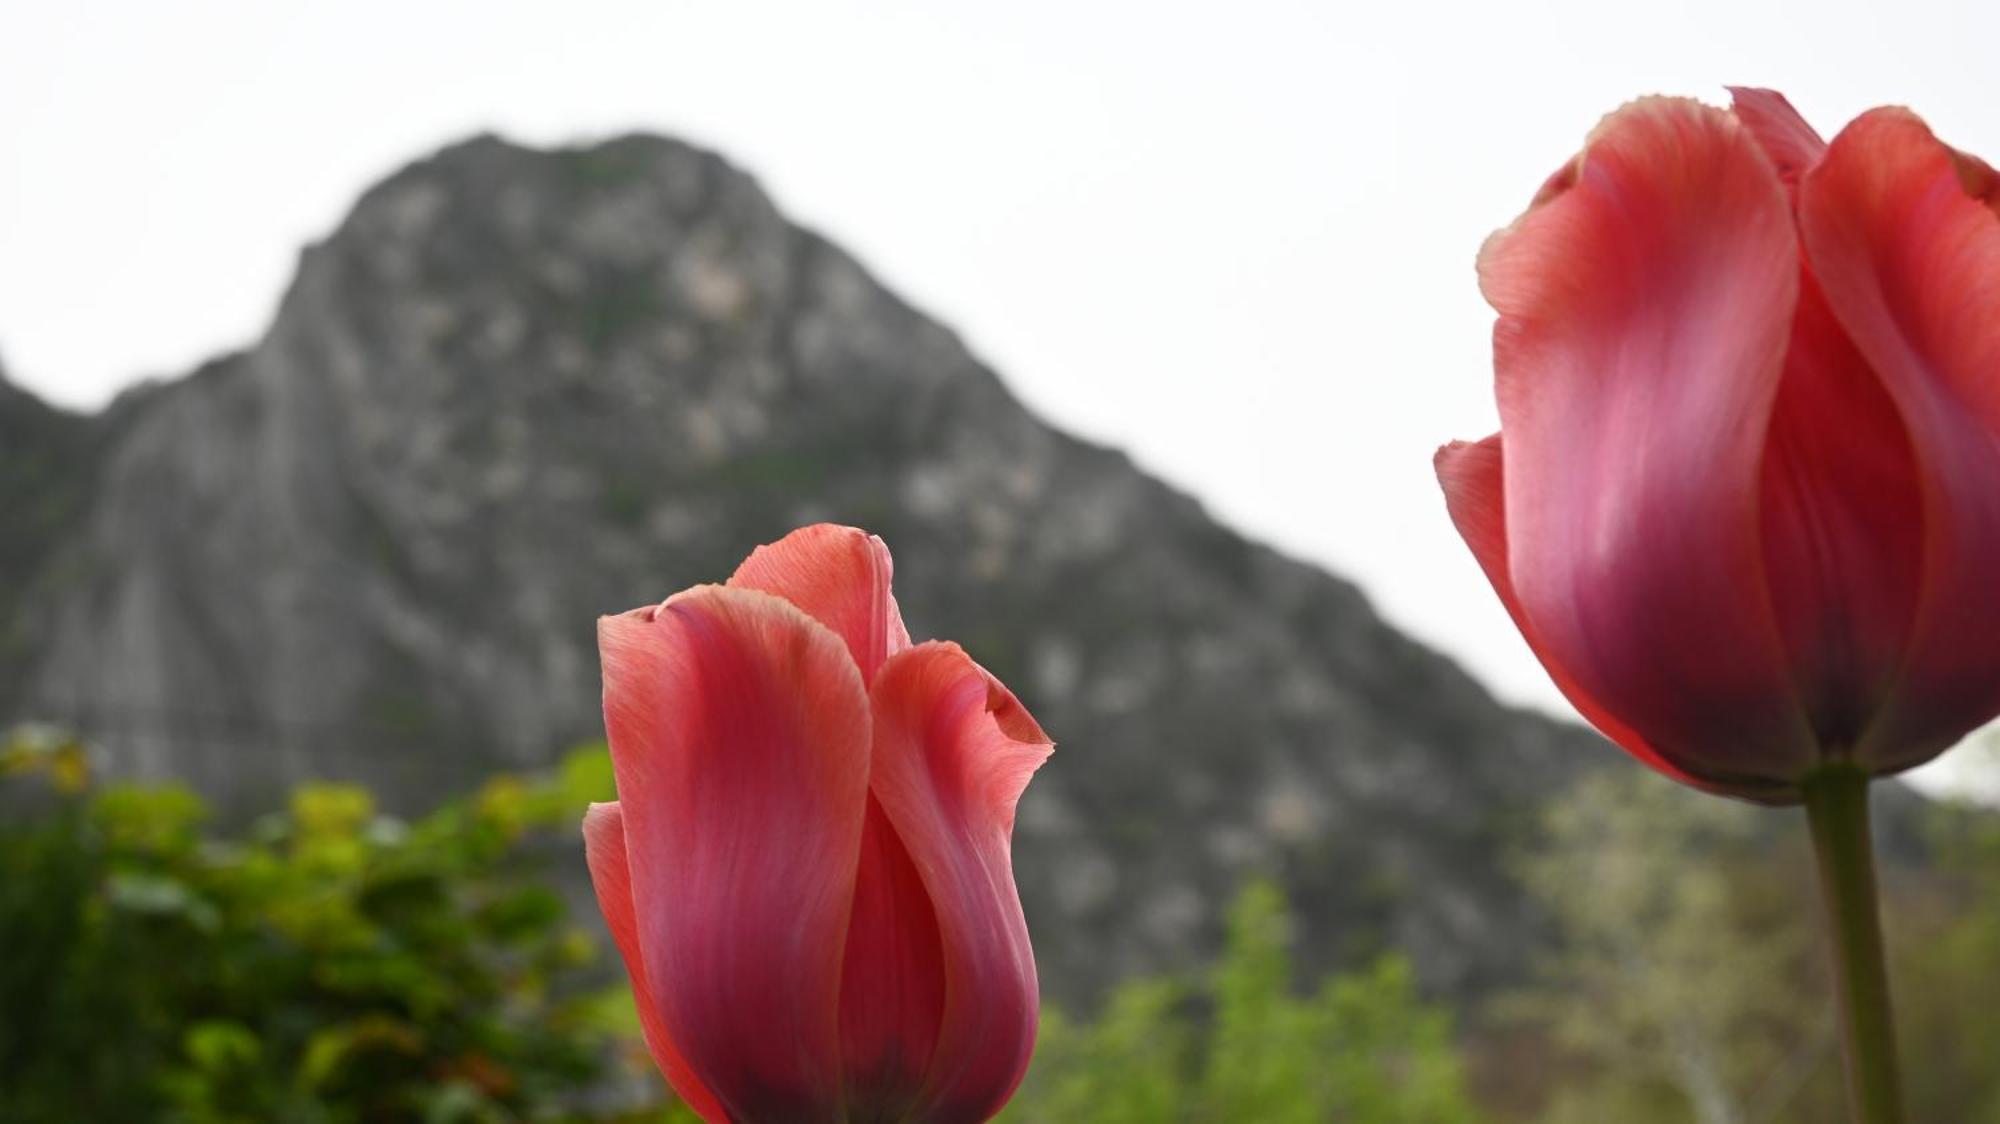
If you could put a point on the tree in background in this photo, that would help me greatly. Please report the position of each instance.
(1944, 949)
(1364, 1048)
(1684, 979)
(1685, 982)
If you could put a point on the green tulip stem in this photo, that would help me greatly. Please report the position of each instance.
(1836, 802)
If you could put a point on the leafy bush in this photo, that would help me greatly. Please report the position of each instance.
(334, 964)
(1363, 1049)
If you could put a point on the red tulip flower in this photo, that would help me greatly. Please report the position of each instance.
(807, 871)
(1744, 503)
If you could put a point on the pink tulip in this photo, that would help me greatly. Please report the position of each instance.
(1745, 499)
(807, 871)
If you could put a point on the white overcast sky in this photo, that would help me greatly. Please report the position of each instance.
(1236, 239)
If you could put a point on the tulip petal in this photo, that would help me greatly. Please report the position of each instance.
(611, 876)
(1792, 145)
(1978, 179)
(1910, 265)
(1643, 321)
(1840, 504)
(739, 731)
(1843, 526)
(893, 981)
(840, 577)
(953, 751)
(1471, 475)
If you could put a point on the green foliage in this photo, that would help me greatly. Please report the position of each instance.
(1363, 1049)
(334, 965)
(1944, 945)
(1129, 1067)
(1394, 1058)
(1688, 981)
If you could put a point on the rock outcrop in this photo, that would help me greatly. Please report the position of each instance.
(517, 389)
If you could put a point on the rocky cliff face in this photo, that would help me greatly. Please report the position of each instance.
(46, 462)
(518, 389)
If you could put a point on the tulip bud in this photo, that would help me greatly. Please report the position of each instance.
(1744, 503)
(807, 871)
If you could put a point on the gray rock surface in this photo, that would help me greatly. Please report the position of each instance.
(517, 389)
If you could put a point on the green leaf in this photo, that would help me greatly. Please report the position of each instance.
(218, 1044)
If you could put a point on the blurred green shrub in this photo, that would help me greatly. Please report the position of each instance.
(1364, 1048)
(1944, 948)
(1687, 981)
(333, 964)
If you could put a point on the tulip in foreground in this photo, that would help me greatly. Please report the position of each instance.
(807, 871)
(1744, 503)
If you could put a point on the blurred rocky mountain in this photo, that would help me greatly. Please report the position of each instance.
(518, 389)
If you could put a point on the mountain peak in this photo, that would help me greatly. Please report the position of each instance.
(517, 389)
